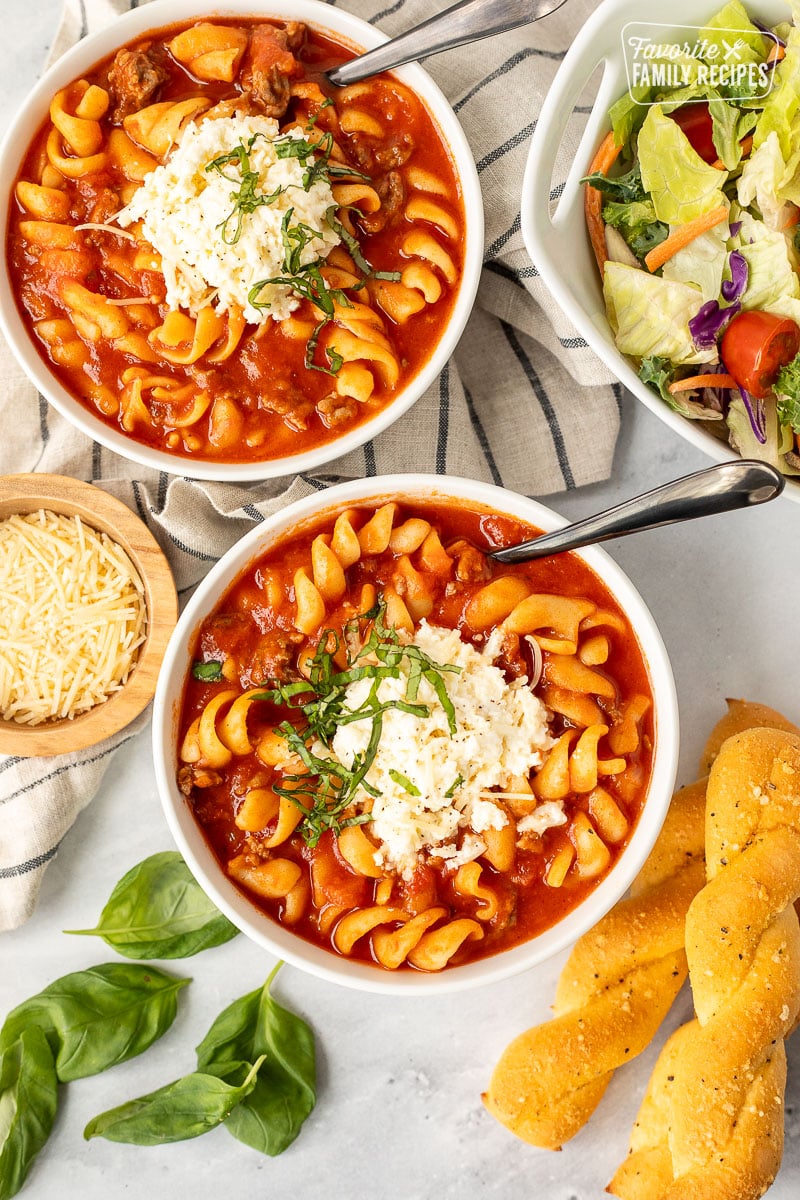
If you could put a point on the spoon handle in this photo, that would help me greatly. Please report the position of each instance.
(718, 489)
(465, 22)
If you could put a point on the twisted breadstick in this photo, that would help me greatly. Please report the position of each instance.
(614, 991)
(711, 1125)
(741, 715)
(620, 979)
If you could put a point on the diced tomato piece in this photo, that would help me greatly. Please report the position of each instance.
(755, 346)
(695, 121)
(333, 880)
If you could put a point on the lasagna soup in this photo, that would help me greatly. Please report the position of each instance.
(223, 256)
(407, 752)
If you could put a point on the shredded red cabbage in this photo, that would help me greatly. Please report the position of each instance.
(711, 318)
(734, 287)
(766, 29)
(756, 414)
(735, 228)
(710, 321)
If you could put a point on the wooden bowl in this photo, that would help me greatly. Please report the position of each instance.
(71, 497)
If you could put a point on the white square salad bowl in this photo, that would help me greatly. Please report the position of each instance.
(556, 238)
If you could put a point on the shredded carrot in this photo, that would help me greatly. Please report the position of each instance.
(702, 381)
(793, 218)
(747, 146)
(603, 160)
(683, 235)
(777, 53)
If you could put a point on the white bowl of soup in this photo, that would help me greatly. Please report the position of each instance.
(399, 764)
(219, 264)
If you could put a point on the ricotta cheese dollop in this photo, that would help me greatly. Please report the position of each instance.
(432, 784)
(215, 243)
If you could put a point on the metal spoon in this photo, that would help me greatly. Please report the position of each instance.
(466, 22)
(718, 489)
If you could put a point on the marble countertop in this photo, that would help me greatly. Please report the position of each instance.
(399, 1113)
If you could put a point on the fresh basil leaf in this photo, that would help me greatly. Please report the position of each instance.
(207, 672)
(96, 1018)
(271, 1116)
(28, 1102)
(158, 910)
(181, 1110)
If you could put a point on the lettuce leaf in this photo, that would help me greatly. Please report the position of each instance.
(682, 186)
(782, 104)
(769, 181)
(637, 223)
(787, 391)
(729, 126)
(730, 123)
(627, 114)
(650, 315)
(779, 441)
(734, 16)
(772, 282)
(702, 262)
(658, 373)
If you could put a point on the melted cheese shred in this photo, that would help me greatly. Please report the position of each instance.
(72, 617)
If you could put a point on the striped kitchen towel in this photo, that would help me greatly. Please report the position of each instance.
(523, 402)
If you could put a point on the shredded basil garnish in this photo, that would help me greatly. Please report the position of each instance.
(333, 356)
(454, 786)
(405, 783)
(315, 156)
(327, 789)
(245, 199)
(207, 672)
(304, 279)
(354, 249)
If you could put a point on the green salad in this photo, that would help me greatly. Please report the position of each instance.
(693, 208)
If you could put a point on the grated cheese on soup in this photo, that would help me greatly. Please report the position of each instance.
(501, 732)
(215, 247)
(72, 617)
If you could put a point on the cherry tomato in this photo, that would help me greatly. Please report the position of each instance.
(755, 346)
(695, 121)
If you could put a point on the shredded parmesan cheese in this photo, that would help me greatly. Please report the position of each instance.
(72, 617)
(96, 225)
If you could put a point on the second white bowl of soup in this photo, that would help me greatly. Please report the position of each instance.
(395, 762)
(218, 263)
